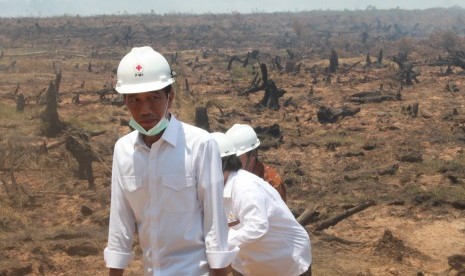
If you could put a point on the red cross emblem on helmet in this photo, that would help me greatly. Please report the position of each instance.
(138, 70)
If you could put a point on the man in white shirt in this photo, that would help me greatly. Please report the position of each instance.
(270, 240)
(166, 181)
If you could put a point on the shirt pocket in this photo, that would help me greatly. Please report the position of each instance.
(132, 183)
(178, 193)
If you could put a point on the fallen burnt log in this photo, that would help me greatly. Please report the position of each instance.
(106, 96)
(310, 214)
(376, 96)
(335, 220)
(327, 115)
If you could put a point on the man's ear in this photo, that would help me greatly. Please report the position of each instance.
(170, 98)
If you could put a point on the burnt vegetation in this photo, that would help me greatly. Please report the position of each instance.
(360, 111)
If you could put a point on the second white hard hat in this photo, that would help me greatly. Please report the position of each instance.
(225, 144)
(143, 70)
(244, 138)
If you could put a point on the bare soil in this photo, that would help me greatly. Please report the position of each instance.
(410, 163)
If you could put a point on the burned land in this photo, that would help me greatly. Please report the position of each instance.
(361, 112)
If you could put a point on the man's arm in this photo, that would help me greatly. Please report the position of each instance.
(116, 272)
(118, 252)
(210, 192)
(249, 202)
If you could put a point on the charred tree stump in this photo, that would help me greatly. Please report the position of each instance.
(201, 118)
(368, 60)
(20, 102)
(17, 89)
(246, 60)
(333, 61)
(272, 93)
(380, 57)
(57, 86)
(78, 144)
(406, 74)
(277, 63)
(255, 80)
(51, 123)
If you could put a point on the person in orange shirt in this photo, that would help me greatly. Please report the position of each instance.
(246, 142)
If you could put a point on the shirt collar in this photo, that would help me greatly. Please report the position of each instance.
(170, 134)
(227, 191)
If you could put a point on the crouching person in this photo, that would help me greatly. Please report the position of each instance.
(270, 240)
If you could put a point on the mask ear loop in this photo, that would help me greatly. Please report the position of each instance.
(166, 109)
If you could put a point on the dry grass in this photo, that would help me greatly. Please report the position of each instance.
(332, 166)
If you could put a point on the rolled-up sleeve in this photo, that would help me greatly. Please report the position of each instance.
(210, 192)
(117, 260)
(118, 252)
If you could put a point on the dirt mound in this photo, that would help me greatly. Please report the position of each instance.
(394, 248)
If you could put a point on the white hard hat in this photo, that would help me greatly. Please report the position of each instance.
(143, 70)
(224, 143)
(244, 138)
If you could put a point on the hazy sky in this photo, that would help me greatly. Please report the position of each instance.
(13, 8)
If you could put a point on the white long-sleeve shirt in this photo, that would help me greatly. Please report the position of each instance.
(173, 192)
(271, 241)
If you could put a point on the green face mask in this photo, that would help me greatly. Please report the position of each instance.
(159, 127)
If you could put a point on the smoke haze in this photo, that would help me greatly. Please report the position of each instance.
(44, 8)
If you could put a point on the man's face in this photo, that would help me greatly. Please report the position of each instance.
(148, 108)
